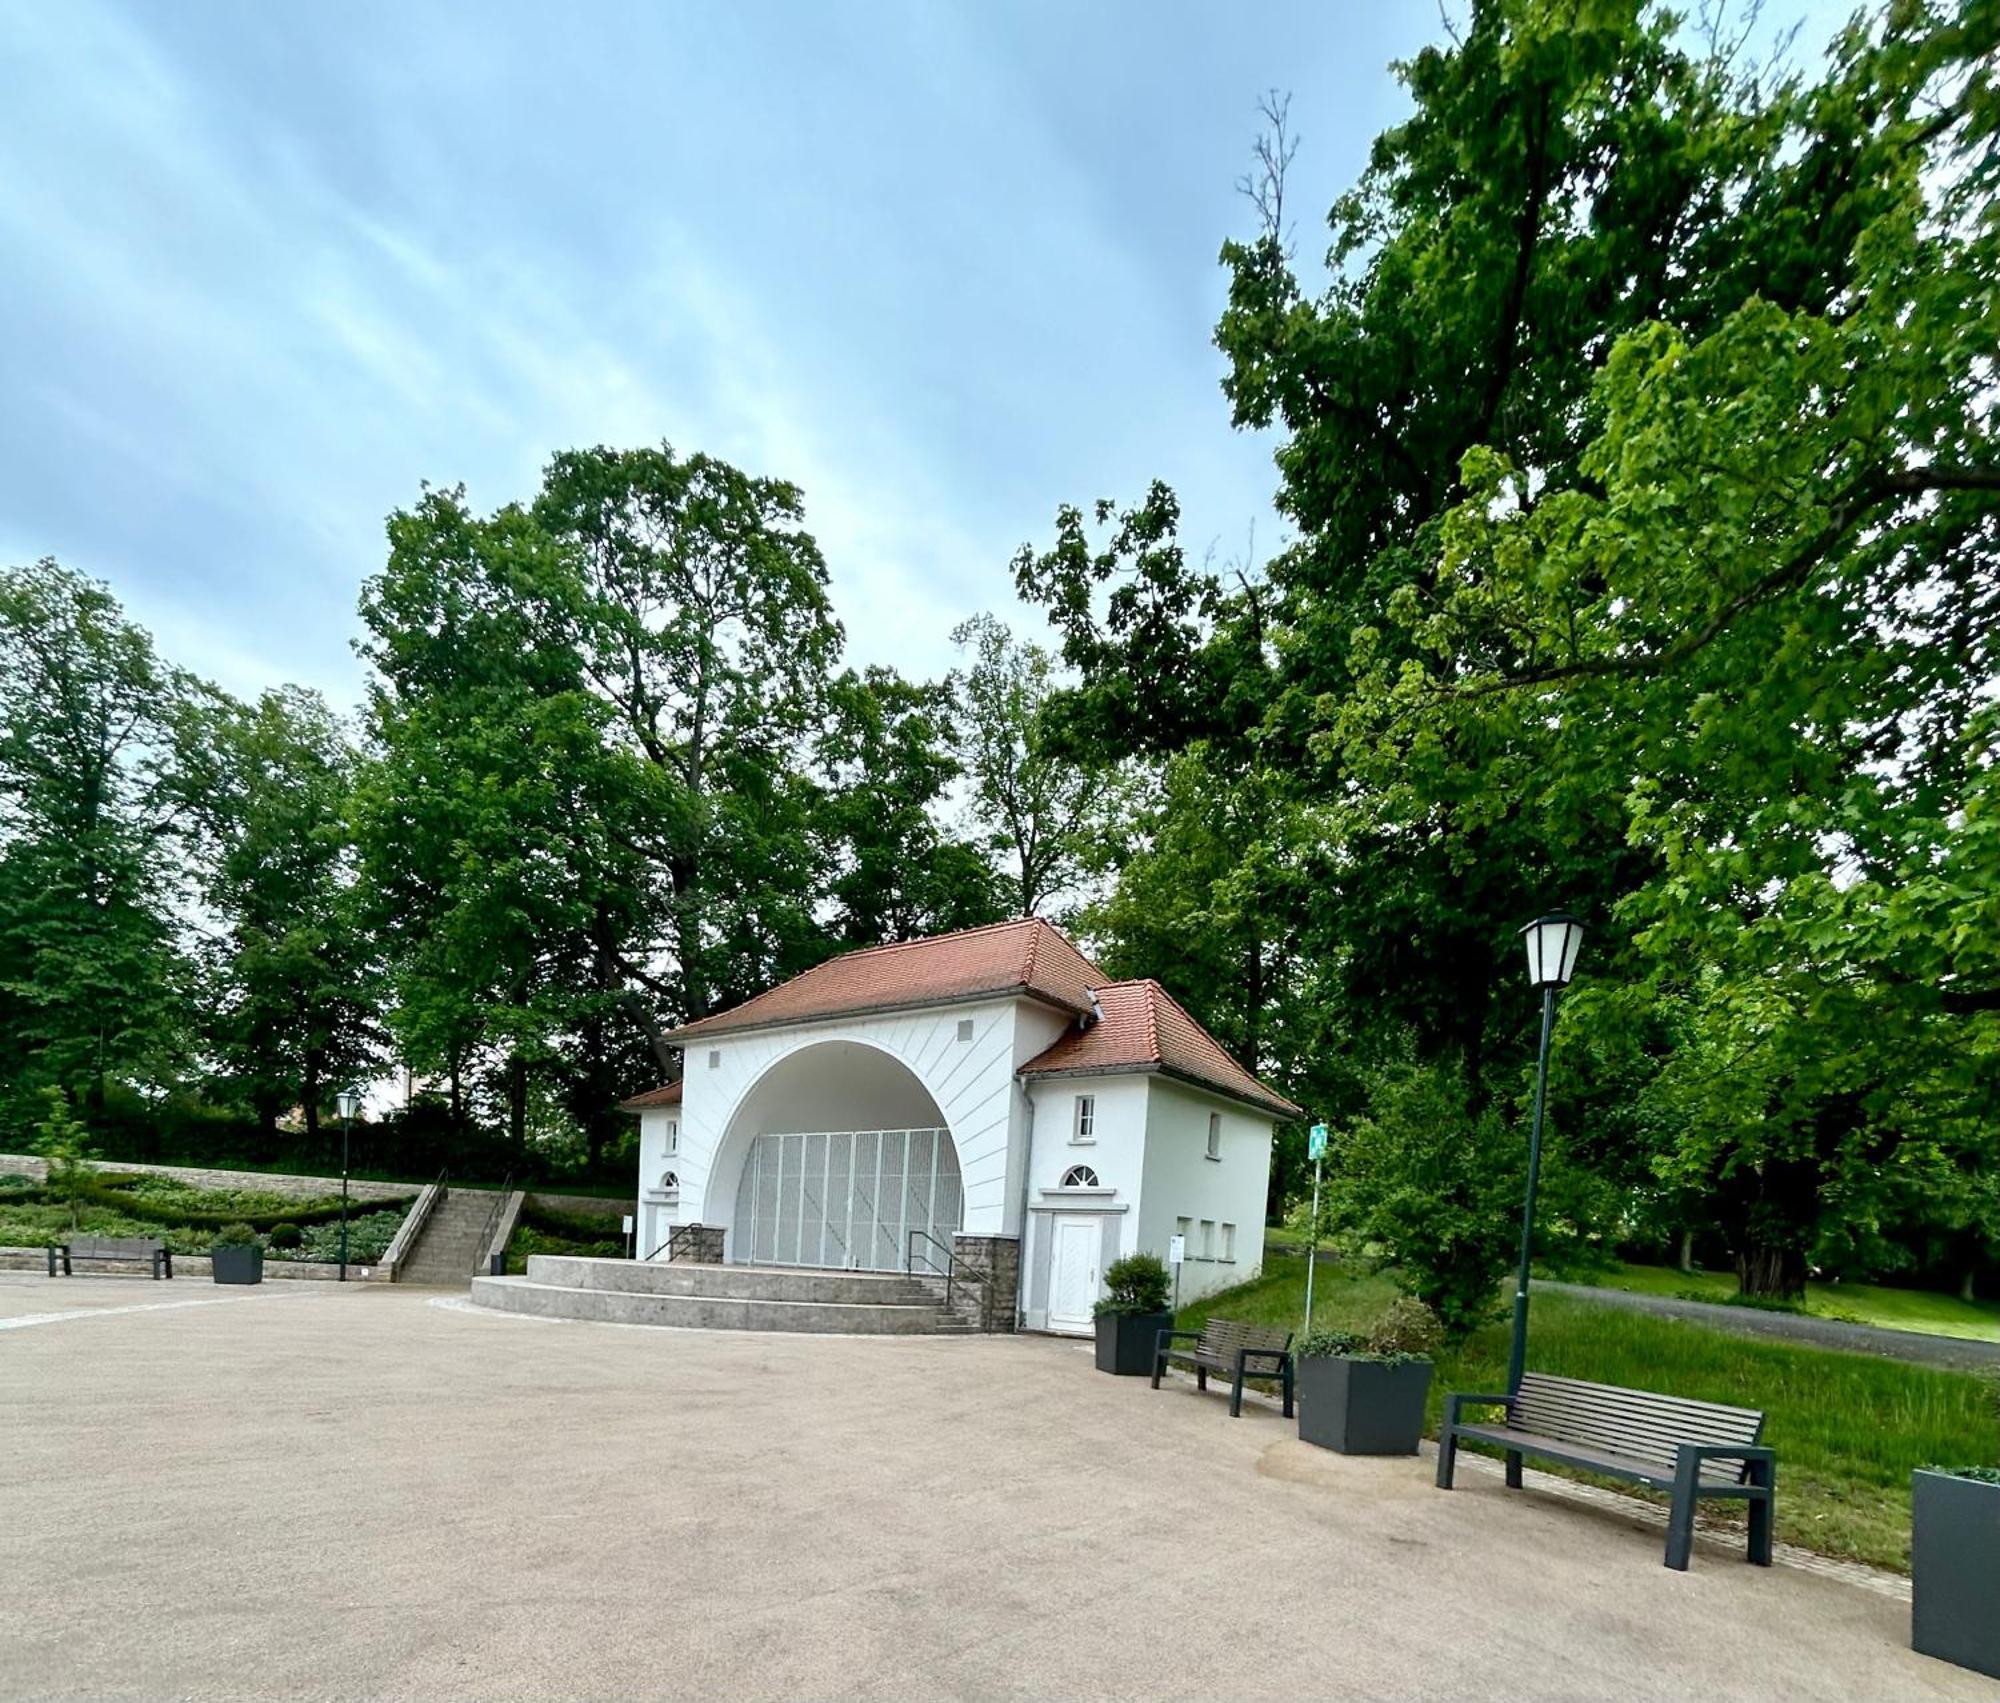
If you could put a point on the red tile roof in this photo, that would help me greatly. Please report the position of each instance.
(1027, 958)
(1144, 1028)
(667, 1096)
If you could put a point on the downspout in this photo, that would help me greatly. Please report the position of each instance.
(1027, 1179)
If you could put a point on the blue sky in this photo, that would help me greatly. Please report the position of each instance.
(268, 268)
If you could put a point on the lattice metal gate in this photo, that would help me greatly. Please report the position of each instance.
(846, 1198)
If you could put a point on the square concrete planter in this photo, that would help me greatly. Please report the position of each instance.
(1955, 1570)
(1363, 1407)
(1126, 1342)
(237, 1265)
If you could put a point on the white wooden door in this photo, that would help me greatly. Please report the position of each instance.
(1078, 1245)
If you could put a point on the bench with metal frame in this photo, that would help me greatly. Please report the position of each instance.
(1665, 1442)
(1238, 1351)
(114, 1248)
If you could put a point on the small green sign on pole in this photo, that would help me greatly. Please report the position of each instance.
(1315, 1151)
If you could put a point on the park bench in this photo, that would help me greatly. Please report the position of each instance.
(1660, 1441)
(114, 1248)
(1237, 1351)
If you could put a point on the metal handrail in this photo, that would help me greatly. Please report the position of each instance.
(485, 1254)
(951, 1264)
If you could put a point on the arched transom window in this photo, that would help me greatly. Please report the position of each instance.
(669, 1181)
(1079, 1177)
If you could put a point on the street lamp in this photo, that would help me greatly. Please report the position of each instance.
(1553, 942)
(349, 1103)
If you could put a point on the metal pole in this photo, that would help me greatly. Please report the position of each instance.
(345, 1122)
(1312, 1247)
(1517, 1357)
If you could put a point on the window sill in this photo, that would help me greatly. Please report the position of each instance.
(1213, 1158)
(1083, 1141)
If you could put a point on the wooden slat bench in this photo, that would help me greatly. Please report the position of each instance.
(114, 1248)
(1665, 1442)
(1238, 1351)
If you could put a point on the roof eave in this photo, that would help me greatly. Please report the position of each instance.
(1276, 1106)
(707, 1028)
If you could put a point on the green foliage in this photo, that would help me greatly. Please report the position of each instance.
(1404, 1332)
(1135, 1283)
(237, 1235)
(65, 1144)
(285, 1235)
(1433, 1190)
(1979, 1474)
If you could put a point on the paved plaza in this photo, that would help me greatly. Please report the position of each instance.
(301, 1491)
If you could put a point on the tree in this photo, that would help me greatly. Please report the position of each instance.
(65, 1144)
(294, 1003)
(892, 872)
(94, 987)
(1044, 815)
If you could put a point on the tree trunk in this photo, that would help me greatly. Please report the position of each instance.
(1686, 1260)
(1966, 1283)
(517, 1102)
(1776, 1272)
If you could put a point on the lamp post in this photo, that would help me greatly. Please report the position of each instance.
(1553, 942)
(349, 1103)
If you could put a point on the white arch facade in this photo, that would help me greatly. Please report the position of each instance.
(949, 1067)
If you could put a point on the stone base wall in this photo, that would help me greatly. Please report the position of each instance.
(698, 1244)
(999, 1258)
(583, 1205)
(195, 1266)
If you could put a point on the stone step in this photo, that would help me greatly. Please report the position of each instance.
(707, 1312)
(731, 1282)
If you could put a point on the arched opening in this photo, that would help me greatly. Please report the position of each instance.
(838, 1156)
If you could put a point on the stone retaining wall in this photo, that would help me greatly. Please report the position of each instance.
(1000, 1258)
(196, 1266)
(586, 1205)
(307, 1188)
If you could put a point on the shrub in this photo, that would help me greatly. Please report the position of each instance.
(1405, 1330)
(1138, 1283)
(236, 1236)
(286, 1234)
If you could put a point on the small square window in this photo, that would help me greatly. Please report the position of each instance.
(1215, 1135)
(965, 1028)
(1084, 1130)
(714, 1059)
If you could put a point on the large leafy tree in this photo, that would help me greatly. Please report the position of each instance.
(294, 994)
(1587, 203)
(93, 986)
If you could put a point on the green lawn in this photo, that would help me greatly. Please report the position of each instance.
(1869, 1303)
(1848, 1428)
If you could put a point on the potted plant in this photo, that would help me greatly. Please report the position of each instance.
(1132, 1314)
(1955, 1566)
(237, 1256)
(1362, 1392)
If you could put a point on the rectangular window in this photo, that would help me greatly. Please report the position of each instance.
(1182, 1227)
(714, 1059)
(1208, 1238)
(1215, 1135)
(965, 1028)
(1229, 1242)
(673, 1135)
(1086, 1119)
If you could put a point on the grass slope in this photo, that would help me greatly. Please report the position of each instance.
(1870, 1303)
(1848, 1428)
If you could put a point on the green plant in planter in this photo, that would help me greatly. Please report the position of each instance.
(1362, 1392)
(236, 1236)
(1138, 1283)
(286, 1234)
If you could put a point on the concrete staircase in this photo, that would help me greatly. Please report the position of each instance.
(449, 1245)
(720, 1297)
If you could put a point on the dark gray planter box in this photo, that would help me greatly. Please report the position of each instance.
(237, 1265)
(1363, 1407)
(1126, 1342)
(1955, 1570)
